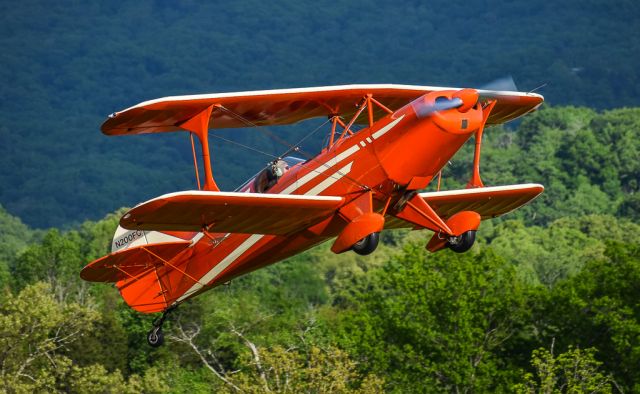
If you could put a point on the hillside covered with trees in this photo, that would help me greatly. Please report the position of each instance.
(67, 65)
(546, 300)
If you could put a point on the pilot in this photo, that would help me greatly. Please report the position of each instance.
(277, 169)
(270, 175)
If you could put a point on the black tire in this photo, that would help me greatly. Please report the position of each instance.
(155, 337)
(367, 244)
(463, 242)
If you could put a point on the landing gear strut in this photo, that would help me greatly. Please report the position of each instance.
(367, 244)
(462, 242)
(155, 337)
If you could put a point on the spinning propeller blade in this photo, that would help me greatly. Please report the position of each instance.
(441, 104)
(504, 84)
(462, 100)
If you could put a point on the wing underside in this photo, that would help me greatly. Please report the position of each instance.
(288, 106)
(222, 212)
(489, 202)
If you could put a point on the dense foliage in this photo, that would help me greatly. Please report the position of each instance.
(66, 65)
(547, 301)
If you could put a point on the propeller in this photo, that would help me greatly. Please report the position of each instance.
(504, 84)
(462, 100)
(440, 104)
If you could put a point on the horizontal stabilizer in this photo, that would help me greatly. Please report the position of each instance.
(489, 202)
(131, 263)
(223, 212)
(149, 277)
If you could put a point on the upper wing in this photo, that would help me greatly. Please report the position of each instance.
(489, 202)
(249, 213)
(286, 106)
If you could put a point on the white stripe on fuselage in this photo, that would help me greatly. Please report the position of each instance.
(337, 159)
(224, 263)
(195, 239)
(386, 128)
(316, 172)
(324, 185)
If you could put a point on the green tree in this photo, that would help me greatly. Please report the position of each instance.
(313, 370)
(14, 235)
(574, 371)
(546, 255)
(57, 260)
(35, 331)
(599, 308)
(436, 321)
(39, 336)
(14, 238)
(630, 207)
(96, 236)
(300, 367)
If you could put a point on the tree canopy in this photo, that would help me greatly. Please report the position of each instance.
(66, 70)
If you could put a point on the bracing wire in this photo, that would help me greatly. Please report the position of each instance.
(297, 147)
(245, 146)
(291, 148)
(251, 124)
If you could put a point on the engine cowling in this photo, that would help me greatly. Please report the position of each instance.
(432, 126)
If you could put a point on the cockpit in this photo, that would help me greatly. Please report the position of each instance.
(270, 175)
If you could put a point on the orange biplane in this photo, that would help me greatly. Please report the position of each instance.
(176, 246)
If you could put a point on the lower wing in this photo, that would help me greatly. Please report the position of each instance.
(489, 202)
(222, 212)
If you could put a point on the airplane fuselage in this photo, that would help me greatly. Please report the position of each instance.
(397, 154)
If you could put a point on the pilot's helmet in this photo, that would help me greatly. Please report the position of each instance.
(278, 169)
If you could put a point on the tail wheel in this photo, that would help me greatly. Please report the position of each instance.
(155, 337)
(367, 244)
(462, 242)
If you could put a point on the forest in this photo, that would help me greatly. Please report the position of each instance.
(65, 70)
(547, 300)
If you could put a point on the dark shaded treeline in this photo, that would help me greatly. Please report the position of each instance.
(68, 64)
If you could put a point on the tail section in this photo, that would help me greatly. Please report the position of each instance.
(147, 276)
(148, 267)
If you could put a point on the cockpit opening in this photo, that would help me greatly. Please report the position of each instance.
(272, 172)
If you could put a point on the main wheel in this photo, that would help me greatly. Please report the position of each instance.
(463, 242)
(155, 337)
(367, 244)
